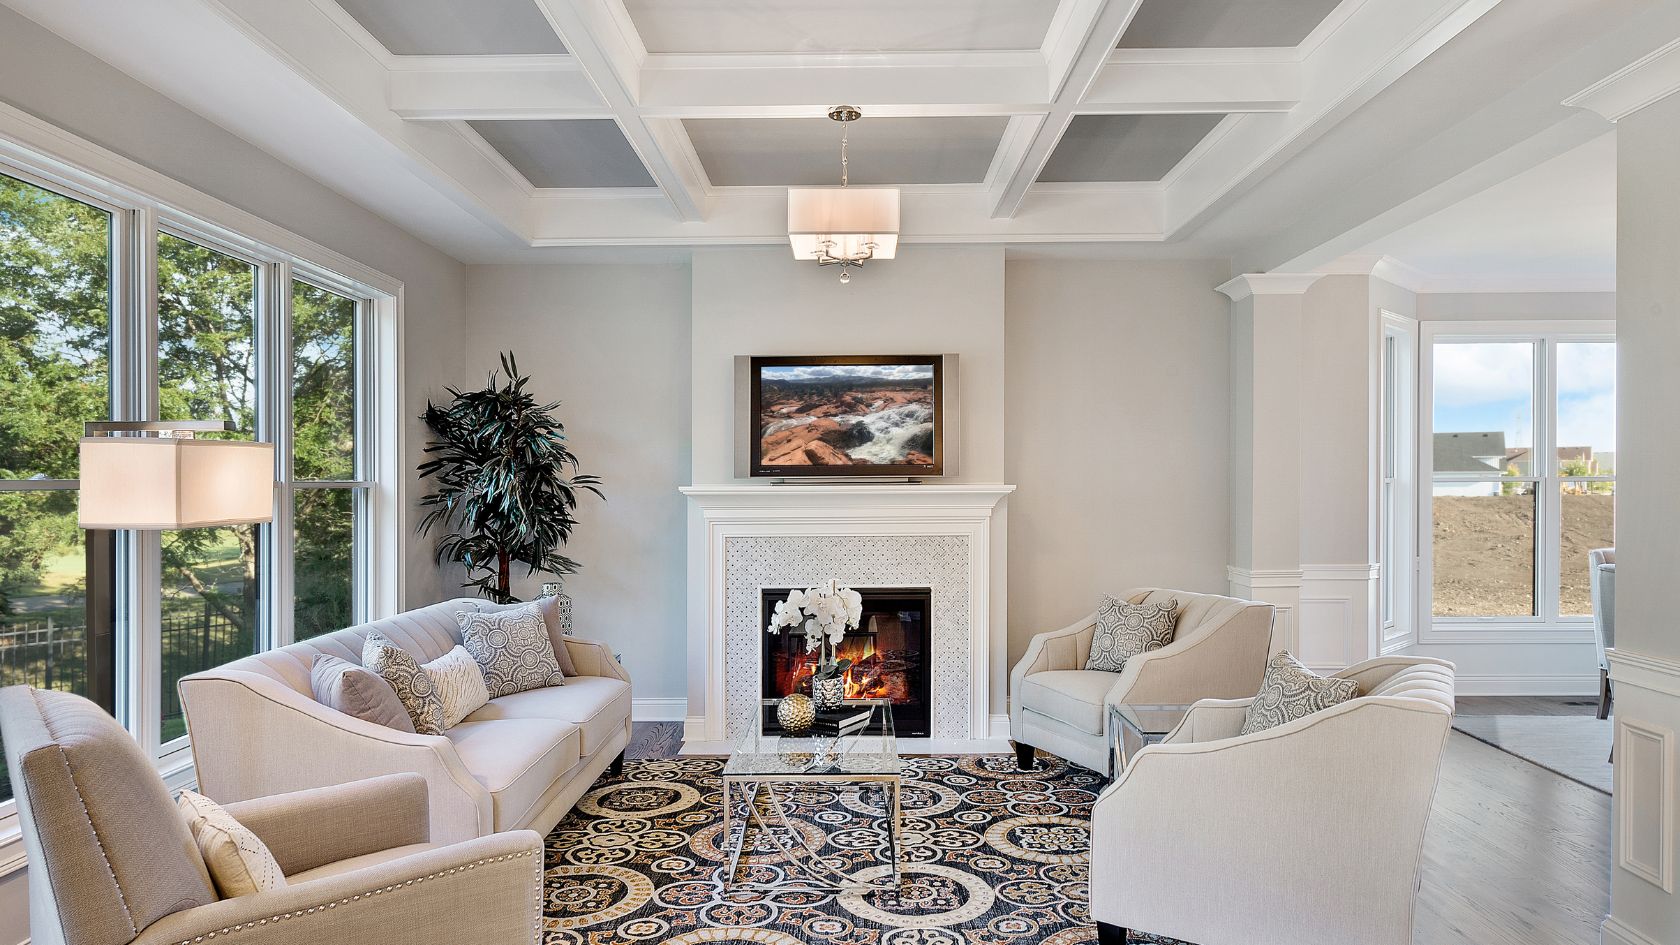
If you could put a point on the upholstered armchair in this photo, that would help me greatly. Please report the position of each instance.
(1309, 833)
(1219, 650)
(111, 861)
(1602, 565)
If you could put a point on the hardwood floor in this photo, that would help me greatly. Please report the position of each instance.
(1514, 855)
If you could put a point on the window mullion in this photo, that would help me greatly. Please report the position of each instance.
(277, 402)
(141, 674)
(1549, 527)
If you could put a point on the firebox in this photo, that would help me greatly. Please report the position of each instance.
(889, 654)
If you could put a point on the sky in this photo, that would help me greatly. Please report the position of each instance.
(1485, 386)
(897, 372)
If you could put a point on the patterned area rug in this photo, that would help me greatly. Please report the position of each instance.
(991, 855)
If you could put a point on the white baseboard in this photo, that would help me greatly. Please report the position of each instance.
(1614, 932)
(1584, 685)
(1000, 727)
(658, 710)
(906, 746)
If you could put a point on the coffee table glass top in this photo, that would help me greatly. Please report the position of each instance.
(1151, 720)
(765, 750)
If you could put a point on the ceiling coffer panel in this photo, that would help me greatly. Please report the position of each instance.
(783, 152)
(1203, 24)
(584, 152)
(801, 26)
(1111, 148)
(455, 28)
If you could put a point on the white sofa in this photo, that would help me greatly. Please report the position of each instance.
(1219, 650)
(1306, 834)
(520, 762)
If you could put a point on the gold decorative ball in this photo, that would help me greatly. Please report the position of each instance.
(796, 713)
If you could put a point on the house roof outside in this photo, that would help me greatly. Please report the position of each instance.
(1477, 452)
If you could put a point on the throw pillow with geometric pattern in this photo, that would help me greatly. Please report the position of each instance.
(459, 683)
(513, 649)
(1291, 691)
(1125, 629)
(239, 862)
(412, 683)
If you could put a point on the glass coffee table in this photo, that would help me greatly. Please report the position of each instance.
(1131, 727)
(771, 765)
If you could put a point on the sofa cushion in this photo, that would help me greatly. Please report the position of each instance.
(513, 649)
(459, 683)
(1074, 696)
(1125, 629)
(413, 685)
(340, 867)
(596, 704)
(342, 685)
(517, 761)
(1291, 691)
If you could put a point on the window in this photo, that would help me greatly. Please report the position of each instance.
(55, 374)
(290, 343)
(1522, 446)
(1397, 491)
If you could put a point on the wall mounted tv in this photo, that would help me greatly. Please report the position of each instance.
(862, 415)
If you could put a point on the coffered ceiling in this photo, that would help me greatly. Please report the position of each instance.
(573, 123)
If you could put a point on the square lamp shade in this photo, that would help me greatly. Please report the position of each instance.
(169, 483)
(850, 216)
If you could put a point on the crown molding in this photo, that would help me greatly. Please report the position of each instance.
(1378, 266)
(1645, 81)
(1269, 283)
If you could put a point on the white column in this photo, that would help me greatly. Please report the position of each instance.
(1645, 667)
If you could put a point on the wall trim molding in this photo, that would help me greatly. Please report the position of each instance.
(658, 710)
(1645, 81)
(1526, 684)
(1614, 931)
(1269, 283)
(1341, 572)
(1646, 808)
(1262, 578)
(1645, 671)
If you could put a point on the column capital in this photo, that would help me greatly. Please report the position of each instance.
(1270, 283)
(1643, 82)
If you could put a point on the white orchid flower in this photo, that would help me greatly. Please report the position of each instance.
(854, 606)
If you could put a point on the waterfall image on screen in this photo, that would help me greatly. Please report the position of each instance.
(846, 415)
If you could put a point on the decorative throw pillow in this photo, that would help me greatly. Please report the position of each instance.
(1291, 691)
(342, 685)
(1125, 629)
(413, 685)
(513, 649)
(239, 862)
(550, 607)
(459, 683)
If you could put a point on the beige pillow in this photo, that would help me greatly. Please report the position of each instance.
(459, 684)
(239, 863)
(342, 685)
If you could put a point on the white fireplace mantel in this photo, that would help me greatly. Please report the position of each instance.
(747, 536)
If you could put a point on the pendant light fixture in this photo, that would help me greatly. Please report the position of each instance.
(843, 226)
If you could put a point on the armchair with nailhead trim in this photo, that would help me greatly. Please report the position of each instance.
(111, 861)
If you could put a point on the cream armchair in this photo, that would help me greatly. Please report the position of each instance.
(1218, 651)
(111, 861)
(1306, 834)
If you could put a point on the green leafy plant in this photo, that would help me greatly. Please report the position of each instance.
(506, 483)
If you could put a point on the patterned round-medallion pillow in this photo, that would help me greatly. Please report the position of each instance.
(1125, 629)
(513, 649)
(413, 685)
(1291, 691)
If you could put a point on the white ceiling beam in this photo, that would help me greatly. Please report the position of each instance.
(1076, 49)
(446, 88)
(603, 41)
(1138, 81)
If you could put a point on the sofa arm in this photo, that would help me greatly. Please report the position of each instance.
(487, 891)
(593, 658)
(1221, 658)
(1210, 720)
(253, 737)
(306, 829)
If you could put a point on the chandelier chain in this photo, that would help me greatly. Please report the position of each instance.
(844, 134)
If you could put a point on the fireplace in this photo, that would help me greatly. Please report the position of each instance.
(889, 653)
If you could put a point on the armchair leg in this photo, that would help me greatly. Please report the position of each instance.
(1604, 695)
(1110, 934)
(617, 767)
(1024, 758)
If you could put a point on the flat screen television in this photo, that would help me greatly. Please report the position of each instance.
(847, 415)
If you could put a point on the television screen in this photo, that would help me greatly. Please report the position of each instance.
(868, 415)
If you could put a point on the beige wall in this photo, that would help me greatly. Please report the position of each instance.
(611, 343)
(1117, 433)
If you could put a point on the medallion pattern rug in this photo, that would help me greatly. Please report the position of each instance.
(991, 855)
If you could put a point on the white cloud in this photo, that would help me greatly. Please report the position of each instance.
(1588, 421)
(1468, 375)
(1586, 368)
(897, 372)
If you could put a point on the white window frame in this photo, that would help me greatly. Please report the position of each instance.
(1547, 626)
(1397, 493)
(143, 202)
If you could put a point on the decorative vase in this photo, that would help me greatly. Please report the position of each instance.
(796, 713)
(828, 693)
(562, 604)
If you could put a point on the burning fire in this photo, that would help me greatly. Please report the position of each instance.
(872, 675)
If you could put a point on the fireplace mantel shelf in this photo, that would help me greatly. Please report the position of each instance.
(858, 496)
